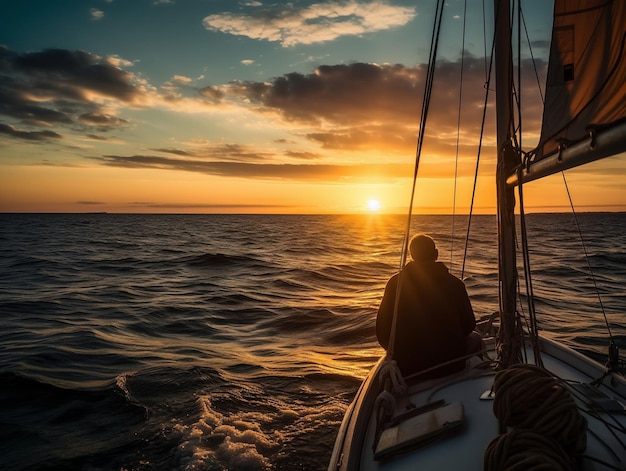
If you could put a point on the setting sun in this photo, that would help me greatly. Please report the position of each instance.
(373, 205)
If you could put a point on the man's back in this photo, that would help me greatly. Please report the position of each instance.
(434, 318)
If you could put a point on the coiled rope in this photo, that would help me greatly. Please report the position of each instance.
(544, 419)
(521, 450)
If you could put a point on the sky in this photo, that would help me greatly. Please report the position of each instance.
(252, 106)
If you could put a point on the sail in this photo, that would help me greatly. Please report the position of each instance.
(586, 85)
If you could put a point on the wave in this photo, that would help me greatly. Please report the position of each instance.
(298, 320)
(168, 342)
(222, 260)
(63, 428)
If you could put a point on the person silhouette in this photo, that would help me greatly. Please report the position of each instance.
(435, 320)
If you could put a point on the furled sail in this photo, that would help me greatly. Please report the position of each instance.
(585, 104)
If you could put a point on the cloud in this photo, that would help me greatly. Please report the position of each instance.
(181, 79)
(29, 135)
(74, 89)
(349, 111)
(346, 112)
(212, 94)
(96, 14)
(303, 155)
(174, 151)
(541, 44)
(303, 172)
(224, 206)
(367, 106)
(228, 152)
(102, 121)
(290, 25)
(95, 137)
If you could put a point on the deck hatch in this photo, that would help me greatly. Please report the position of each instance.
(419, 430)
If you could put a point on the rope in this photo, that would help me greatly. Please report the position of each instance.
(385, 408)
(529, 399)
(530, 295)
(525, 451)
(612, 363)
(391, 378)
(434, 46)
(458, 134)
(480, 143)
(582, 241)
(518, 94)
(532, 57)
(392, 385)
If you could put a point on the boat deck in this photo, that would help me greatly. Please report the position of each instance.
(463, 447)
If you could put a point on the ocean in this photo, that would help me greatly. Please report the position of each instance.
(236, 342)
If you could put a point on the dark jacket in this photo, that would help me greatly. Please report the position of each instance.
(435, 317)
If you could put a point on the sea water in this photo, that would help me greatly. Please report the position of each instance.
(214, 342)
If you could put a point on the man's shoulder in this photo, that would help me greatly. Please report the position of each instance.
(449, 277)
(393, 281)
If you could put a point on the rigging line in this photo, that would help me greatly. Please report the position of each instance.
(519, 71)
(582, 241)
(532, 57)
(434, 46)
(485, 41)
(530, 295)
(598, 411)
(458, 134)
(516, 128)
(423, 116)
(480, 143)
(515, 98)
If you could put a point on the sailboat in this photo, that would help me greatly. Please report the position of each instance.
(525, 402)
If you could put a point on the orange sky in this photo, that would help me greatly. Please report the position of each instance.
(86, 131)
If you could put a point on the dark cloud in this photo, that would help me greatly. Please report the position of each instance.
(351, 108)
(226, 152)
(303, 155)
(260, 170)
(180, 152)
(541, 44)
(340, 93)
(46, 135)
(379, 105)
(356, 107)
(70, 74)
(224, 206)
(102, 121)
(95, 137)
(58, 87)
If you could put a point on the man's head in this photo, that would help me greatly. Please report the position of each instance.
(423, 249)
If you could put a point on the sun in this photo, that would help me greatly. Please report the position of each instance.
(373, 205)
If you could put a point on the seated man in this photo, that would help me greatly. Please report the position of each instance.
(435, 321)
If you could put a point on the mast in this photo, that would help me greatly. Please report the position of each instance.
(508, 340)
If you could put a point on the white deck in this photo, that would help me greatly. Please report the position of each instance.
(466, 447)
